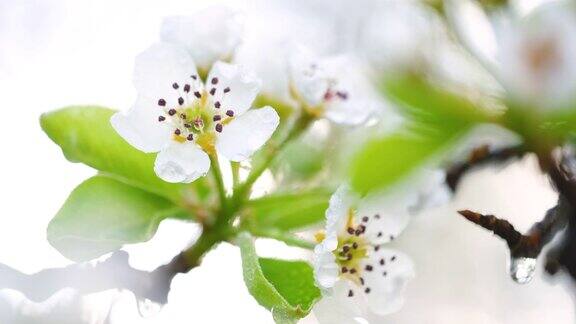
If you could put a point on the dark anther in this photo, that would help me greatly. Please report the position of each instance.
(190, 137)
(376, 248)
(175, 85)
(350, 230)
(172, 112)
(227, 89)
(345, 248)
(230, 113)
(161, 102)
(216, 117)
(344, 269)
(180, 101)
(365, 219)
(379, 234)
(214, 80)
(186, 88)
(197, 94)
(391, 237)
(350, 293)
(349, 256)
(384, 273)
(342, 95)
(177, 131)
(161, 118)
(195, 77)
(358, 232)
(217, 104)
(353, 271)
(377, 216)
(382, 261)
(219, 128)
(183, 116)
(367, 290)
(187, 125)
(393, 258)
(362, 281)
(369, 268)
(354, 245)
(213, 91)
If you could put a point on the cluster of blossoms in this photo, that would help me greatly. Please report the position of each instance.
(359, 276)
(185, 118)
(194, 105)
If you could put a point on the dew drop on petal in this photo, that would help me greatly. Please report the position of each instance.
(522, 269)
(148, 308)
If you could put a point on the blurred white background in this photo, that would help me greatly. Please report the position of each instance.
(55, 53)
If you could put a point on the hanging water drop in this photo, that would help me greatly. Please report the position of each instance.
(522, 269)
(148, 308)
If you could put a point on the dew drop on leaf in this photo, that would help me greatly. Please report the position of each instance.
(522, 269)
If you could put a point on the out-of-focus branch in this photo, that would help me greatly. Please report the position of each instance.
(481, 156)
(527, 245)
(113, 273)
(564, 180)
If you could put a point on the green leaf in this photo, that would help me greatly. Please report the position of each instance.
(102, 214)
(289, 211)
(85, 135)
(294, 280)
(300, 160)
(425, 104)
(268, 288)
(560, 124)
(436, 120)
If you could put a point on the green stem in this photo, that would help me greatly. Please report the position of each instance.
(217, 173)
(298, 127)
(235, 166)
(284, 237)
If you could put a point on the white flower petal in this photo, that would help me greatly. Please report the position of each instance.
(432, 191)
(336, 214)
(247, 133)
(140, 127)
(243, 85)
(158, 68)
(387, 216)
(308, 76)
(351, 111)
(209, 35)
(181, 162)
(340, 308)
(326, 269)
(390, 271)
(537, 56)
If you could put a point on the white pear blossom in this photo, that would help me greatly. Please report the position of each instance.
(537, 56)
(186, 120)
(359, 277)
(209, 35)
(333, 87)
(399, 34)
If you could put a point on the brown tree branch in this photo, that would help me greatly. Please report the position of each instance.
(527, 245)
(479, 157)
(113, 273)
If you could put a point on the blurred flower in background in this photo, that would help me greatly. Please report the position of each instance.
(334, 59)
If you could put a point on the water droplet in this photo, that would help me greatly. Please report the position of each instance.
(522, 269)
(148, 308)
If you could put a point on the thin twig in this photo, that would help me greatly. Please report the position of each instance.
(479, 157)
(530, 244)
